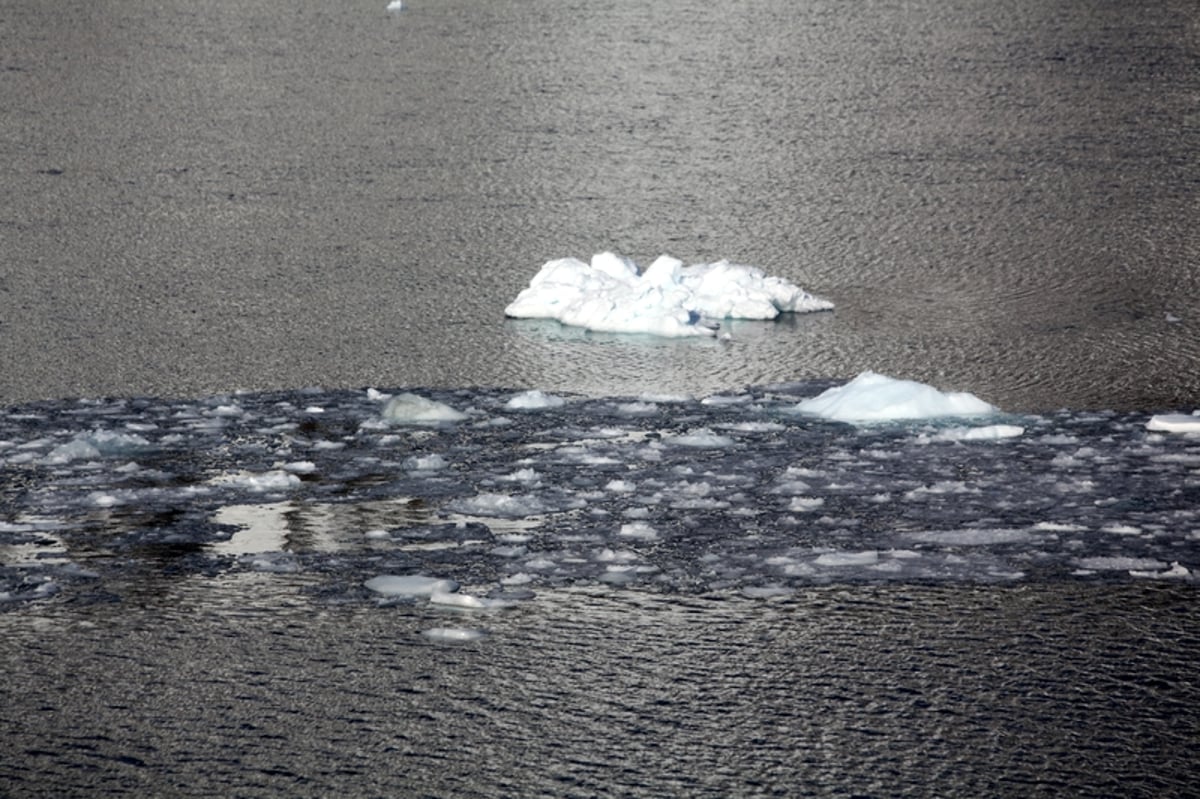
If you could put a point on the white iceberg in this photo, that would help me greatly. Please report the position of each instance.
(667, 299)
(417, 410)
(872, 397)
(1174, 423)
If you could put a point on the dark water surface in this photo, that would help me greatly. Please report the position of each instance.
(999, 196)
(235, 688)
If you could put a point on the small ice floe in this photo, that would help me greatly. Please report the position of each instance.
(1174, 423)
(460, 601)
(269, 482)
(424, 463)
(638, 530)
(453, 634)
(1176, 572)
(991, 432)
(872, 398)
(700, 438)
(395, 5)
(534, 400)
(612, 294)
(97, 444)
(412, 409)
(415, 586)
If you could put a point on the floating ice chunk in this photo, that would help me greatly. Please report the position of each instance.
(1174, 423)
(258, 482)
(395, 5)
(667, 299)
(453, 634)
(454, 599)
(640, 530)
(410, 585)
(1176, 572)
(1120, 563)
(417, 410)
(97, 444)
(805, 504)
(991, 432)
(970, 538)
(424, 463)
(506, 506)
(866, 558)
(701, 438)
(872, 397)
(534, 400)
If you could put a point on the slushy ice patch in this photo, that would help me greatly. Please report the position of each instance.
(505, 492)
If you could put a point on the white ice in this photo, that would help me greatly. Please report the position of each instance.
(97, 444)
(534, 400)
(872, 397)
(410, 585)
(1174, 423)
(666, 299)
(416, 410)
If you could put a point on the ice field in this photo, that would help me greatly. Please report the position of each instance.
(479, 499)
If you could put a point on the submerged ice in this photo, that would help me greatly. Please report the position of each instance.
(472, 499)
(611, 294)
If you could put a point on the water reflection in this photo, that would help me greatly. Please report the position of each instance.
(297, 527)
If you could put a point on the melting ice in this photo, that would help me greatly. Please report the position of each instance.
(611, 294)
(474, 499)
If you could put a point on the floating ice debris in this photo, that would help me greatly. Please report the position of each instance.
(872, 397)
(97, 444)
(991, 432)
(667, 299)
(701, 438)
(1174, 423)
(416, 410)
(1176, 572)
(258, 482)
(534, 400)
(425, 463)
(410, 585)
(453, 634)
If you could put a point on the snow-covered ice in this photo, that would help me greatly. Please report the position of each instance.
(611, 294)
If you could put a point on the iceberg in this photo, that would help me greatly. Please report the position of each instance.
(872, 397)
(612, 295)
(1174, 423)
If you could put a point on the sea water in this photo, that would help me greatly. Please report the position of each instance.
(359, 591)
(644, 569)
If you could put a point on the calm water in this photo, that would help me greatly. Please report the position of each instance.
(1000, 197)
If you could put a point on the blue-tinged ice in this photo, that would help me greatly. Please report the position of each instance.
(872, 397)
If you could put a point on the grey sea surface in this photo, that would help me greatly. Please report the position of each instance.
(222, 222)
(1000, 197)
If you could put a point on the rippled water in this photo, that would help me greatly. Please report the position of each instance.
(231, 687)
(1000, 197)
